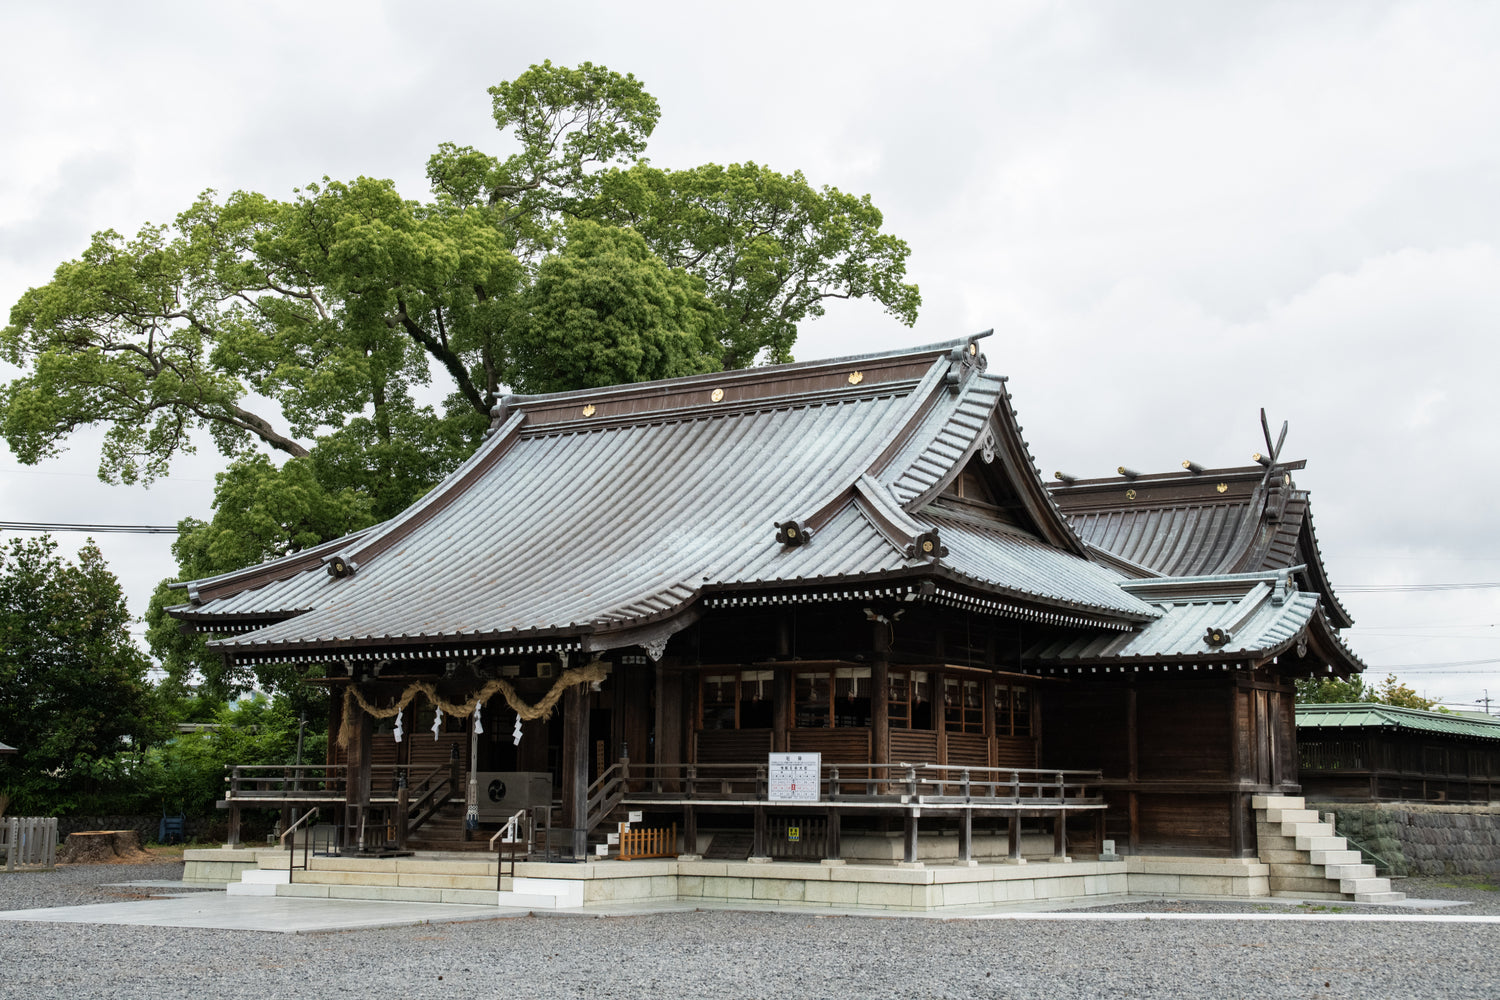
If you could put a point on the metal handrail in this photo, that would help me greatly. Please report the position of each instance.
(291, 850)
(510, 833)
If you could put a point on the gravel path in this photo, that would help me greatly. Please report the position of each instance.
(724, 955)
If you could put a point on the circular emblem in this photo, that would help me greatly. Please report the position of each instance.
(588, 411)
(1130, 494)
(717, 395)
(1222, 487)
(855, 378)
(927, 545)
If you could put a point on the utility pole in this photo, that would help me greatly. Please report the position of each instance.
(1485, 701)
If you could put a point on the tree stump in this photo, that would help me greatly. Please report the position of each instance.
(102, 847)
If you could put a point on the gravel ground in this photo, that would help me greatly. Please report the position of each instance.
(787, 955)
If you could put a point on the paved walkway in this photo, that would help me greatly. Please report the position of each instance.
(288, 915)
(306, 915)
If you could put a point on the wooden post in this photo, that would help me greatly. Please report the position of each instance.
(233, 837)
(1132, 746)
(357, 778)
(909, 852)
(761, 847)
(1060, 835)
(403, 815)
(689, 830)
(1014, 837)
(966, 824)
(576, 765)
(832, 848)
(880, 693)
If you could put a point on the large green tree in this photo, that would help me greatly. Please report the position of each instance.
(317, 326)
(1390, 691)
(76, 703)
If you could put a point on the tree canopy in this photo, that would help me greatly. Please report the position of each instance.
(76, 702)
(326, 326)
(1354, 690)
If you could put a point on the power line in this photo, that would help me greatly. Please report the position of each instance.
(1413, 588)
(124, 529)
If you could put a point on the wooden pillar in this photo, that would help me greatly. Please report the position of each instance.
(575, 771)
(357, 778)
(909, 852)
(966, 836)
(832, 849)
(1060, 835)
(1013, 837)
(760, 843)
(880, 696)
(689, 830)
(233, 837)
(1133, 750)
(781, 711)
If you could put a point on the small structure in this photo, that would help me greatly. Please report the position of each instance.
(1369, 752)
(855, 559)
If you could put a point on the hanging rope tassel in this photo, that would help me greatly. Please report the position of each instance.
(437, 724)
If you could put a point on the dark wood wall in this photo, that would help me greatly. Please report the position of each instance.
(1181, 753)
(1374, 765)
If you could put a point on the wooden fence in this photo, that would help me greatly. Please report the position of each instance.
(29, 842)
(660, 842)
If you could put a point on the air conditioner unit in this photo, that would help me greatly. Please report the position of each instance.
(504, 793)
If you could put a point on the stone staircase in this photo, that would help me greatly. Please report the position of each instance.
(406, 880)
(1308, 860)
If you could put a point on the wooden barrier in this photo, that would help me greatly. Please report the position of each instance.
(29, 842)
(648, 843)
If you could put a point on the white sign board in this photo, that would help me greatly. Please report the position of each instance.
(794, 777)
(635, 816)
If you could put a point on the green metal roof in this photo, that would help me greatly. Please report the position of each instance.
(1367, 715)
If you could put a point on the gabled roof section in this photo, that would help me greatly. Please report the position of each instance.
(597, 513)
(1314, 719)
(1202, 523)
(1247, 617)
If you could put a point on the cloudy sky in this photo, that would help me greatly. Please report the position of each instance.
(1171, 213)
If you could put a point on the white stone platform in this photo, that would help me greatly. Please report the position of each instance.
(471, 879)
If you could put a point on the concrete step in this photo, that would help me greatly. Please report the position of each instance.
(1364, 886)
(1307, 894)
(1321, 843)
(1292, 816)
(1297, 831)
(1277, 802)
(258, 882)
(1379, 897)
(1337, 856)
(1349, 871)
(524, 893)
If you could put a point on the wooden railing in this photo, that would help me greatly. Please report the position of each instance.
(848, 784)
(660, 842)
